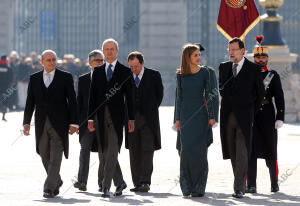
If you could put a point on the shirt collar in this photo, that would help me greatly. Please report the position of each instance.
(240, 64)
(51, 73)
(113, 65)
(140, 75)
(91, 74)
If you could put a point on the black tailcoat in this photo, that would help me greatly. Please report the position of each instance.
(58, 102)
(241, 95)
(113, 94)
(84, 83)
(151, 94)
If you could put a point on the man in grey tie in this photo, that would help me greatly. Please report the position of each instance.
(242, 90)
(111, 96)
(51, 95)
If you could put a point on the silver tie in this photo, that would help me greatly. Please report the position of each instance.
(48, 80)
(234, 69)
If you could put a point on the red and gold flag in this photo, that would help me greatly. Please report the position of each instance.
(237, 17)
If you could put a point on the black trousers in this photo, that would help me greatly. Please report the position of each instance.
(252, 172)
(141, 152)
(238, 151)
(84, 159)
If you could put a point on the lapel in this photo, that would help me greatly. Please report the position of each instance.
(144, 79)
(54, 81)
(243, 70)
(42, 86)
(55, 78)
(102, 73)
(228, 73)
(115, 72)
(89, 78)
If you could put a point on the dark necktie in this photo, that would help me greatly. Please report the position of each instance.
(234, 69)
(109, 72)
(137, 80)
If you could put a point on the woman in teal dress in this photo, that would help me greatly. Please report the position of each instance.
(195, 115)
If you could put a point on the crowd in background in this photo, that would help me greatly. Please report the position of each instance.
(22, 66)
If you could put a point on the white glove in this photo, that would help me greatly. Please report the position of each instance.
(215, 125)
(278, 124)
(174, 127)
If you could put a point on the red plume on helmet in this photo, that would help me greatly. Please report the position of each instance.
(259, 39)
(260, 50)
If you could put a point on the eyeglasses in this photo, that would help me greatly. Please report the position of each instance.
(98, 60)
(50, 60)
(233, 49)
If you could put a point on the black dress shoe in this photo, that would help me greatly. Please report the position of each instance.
(120, 188)
(251, 190)
(100, 188)
(56, 191)
(135, 189)
(144, 188)
(186, 195)
(81, 186)
(238, 194)
(76, 184)
(105, 193)
(195, 194)
(48, 194)
(275, 188)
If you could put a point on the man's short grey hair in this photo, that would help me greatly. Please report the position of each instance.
(110, 40)
(48, 51)
(95, 53)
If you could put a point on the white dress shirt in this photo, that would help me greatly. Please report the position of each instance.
(92, 73)
(45, 77)
(140, 75)
(113, 66)
(240, 65)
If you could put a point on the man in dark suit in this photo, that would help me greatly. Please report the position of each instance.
(242, 90)
(88, 140)
(112, 86)
(266, 123)
(146, 136)
(51, 94)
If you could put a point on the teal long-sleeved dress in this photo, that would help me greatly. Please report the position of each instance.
(195, 135)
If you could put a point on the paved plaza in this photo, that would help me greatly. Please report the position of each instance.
(22, 174)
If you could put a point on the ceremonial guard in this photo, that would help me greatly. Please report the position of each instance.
(266, 122)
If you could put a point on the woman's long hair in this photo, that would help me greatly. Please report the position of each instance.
(187, 51)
